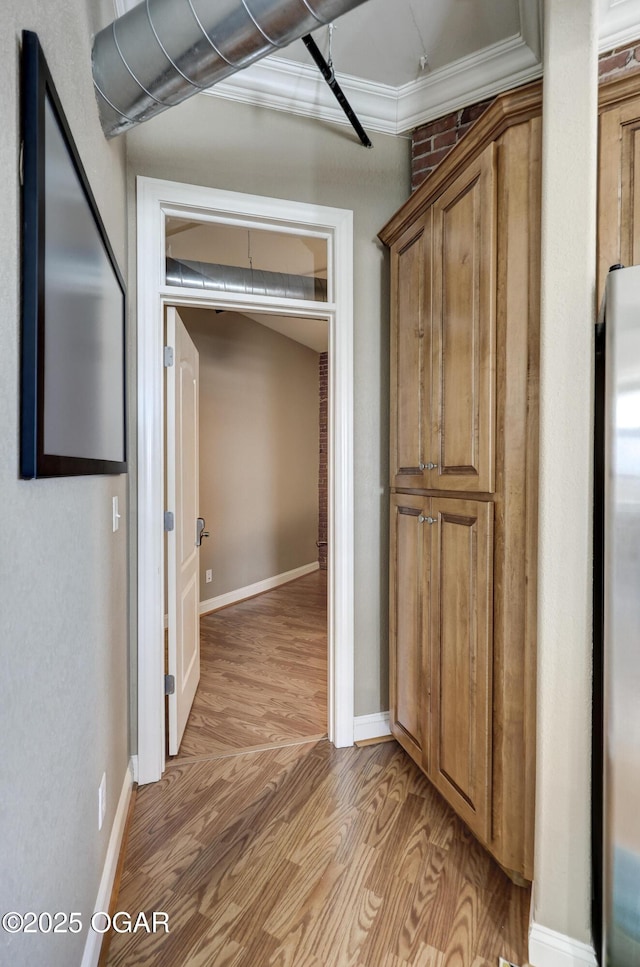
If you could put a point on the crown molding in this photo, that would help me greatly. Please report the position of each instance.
(619, 23)
(494, 70)
(531, 25)
(297, 88)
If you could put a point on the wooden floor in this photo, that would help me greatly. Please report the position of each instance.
(263, 673)
(310, 856)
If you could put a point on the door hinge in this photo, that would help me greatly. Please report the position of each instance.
(21, 164)
(168, 356)
(168, 520)
(169, 684)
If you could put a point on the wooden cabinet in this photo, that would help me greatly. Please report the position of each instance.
(619, 176)
(442, 553)
(444, 270)
(410, 590)
(462, 370)
(461, 565)
(464, 390)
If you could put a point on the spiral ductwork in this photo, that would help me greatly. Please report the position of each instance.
(163, 51)
(233, 278)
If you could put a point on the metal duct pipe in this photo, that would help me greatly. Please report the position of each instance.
(163, 51)
(233, 278)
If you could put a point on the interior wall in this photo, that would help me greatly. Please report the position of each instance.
(258, 450)
(63, 573)
(567, 320)
(210, 141)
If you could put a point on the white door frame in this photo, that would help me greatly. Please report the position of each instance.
(156, 198)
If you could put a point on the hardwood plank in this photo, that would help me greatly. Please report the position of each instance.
(310, 856)
(263, 673)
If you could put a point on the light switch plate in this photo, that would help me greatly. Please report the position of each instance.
(116, 515)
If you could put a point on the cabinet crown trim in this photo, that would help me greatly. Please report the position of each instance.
(613, 92)
(514, 107)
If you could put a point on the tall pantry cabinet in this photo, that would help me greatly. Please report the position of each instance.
(464, 468)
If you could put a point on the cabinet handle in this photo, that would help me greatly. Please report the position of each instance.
(428, 466)
(427, 520)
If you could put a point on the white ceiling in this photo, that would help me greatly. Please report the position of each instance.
(474, 49)
(313, 333)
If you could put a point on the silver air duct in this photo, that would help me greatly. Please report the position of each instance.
(232, 278)
(163, 51)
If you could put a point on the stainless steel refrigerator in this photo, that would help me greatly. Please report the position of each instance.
(617, 623)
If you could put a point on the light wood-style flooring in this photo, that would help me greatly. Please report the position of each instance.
(311, 856)
(263, 673)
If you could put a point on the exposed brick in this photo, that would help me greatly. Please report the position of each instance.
(421, 147)
(432, 142)
(470, 114)
(616, 61)
(435, 127)
(446, 140)
(420, 176)
(437, 156)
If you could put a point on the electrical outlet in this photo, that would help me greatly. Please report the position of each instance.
(102, 800)
(208, 576)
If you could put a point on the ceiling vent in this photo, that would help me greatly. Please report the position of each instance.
(163, 51)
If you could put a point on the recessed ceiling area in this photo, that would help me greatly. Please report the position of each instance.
(474, 49)
(383, 42)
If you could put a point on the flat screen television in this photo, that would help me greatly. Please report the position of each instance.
(73, 379)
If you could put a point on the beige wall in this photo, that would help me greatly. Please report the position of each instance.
(210, 141)
(258, 450)
(63, 573)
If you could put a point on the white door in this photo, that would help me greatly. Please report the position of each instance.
(183, 578)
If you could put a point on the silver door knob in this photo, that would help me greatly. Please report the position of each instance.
(427, 520)
(428, 466)
(200, 531)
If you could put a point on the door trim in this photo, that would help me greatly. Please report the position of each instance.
(154, 199)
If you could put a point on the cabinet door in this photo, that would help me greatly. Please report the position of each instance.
(410, 350)
(464, 352)
(409, 582)
(461, 657)
(619, 188)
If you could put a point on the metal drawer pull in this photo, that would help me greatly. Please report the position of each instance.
(428, 466)
(427, 520)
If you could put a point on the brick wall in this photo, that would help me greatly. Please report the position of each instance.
(323, 372)
(433, 141)
(622, 60)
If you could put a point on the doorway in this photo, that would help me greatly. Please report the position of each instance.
(157, 201)
(262, 625)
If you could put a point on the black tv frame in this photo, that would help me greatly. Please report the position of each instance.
(37, 90)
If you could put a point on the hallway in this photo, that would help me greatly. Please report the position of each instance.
(263, 672)
(311, 856)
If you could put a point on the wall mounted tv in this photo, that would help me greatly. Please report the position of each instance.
(73, 408)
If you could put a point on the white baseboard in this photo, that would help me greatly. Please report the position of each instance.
(547, 948)
(94, 940)
(371, 726)
(232, 597)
